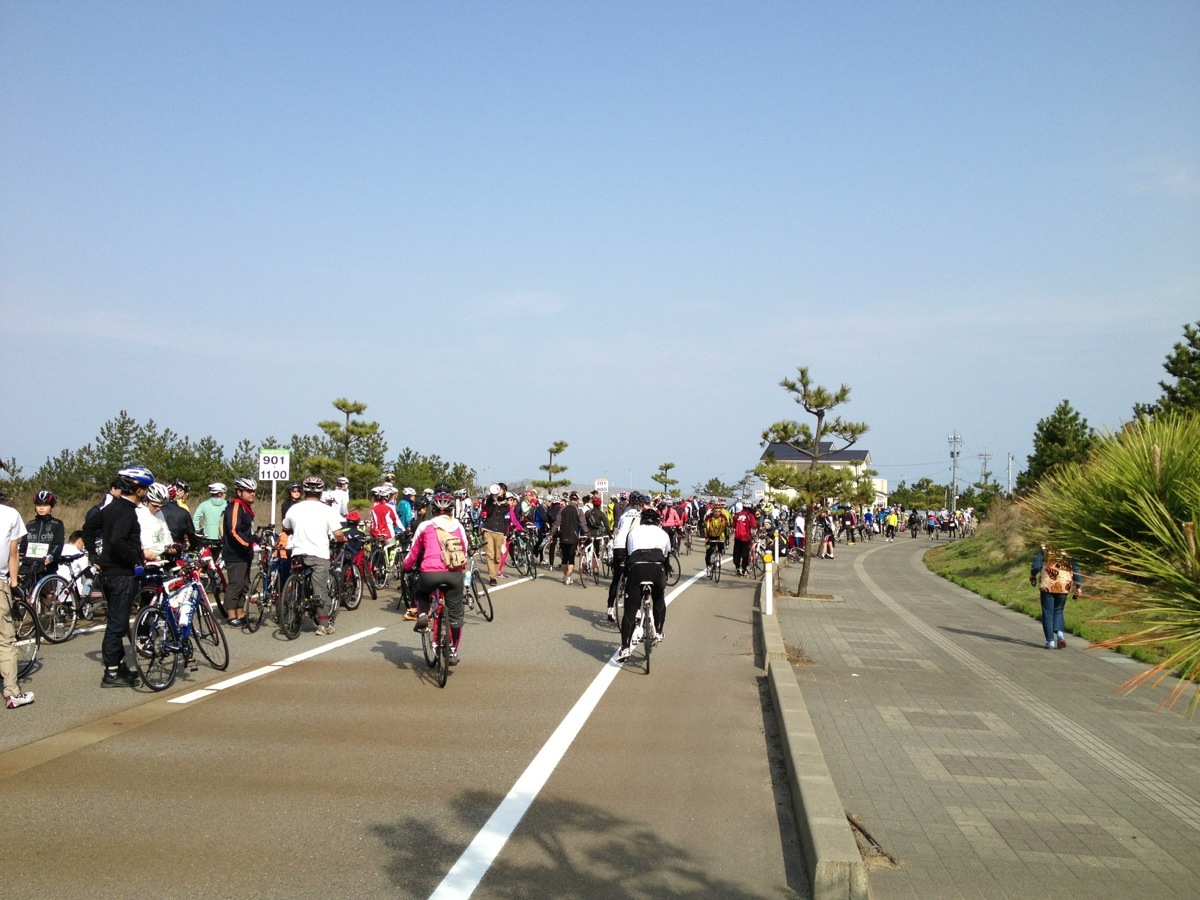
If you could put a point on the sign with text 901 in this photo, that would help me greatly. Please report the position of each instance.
(274, 465)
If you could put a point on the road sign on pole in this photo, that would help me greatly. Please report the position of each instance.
(602, 485)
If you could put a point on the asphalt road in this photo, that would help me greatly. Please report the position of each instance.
(350, 773)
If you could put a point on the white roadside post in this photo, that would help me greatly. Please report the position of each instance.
(768, 584)
(274, 465)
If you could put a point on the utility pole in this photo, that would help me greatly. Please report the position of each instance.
(984, 473)
(1010, 459)
(954, 440)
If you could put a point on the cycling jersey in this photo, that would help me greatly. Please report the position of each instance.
(384, 521)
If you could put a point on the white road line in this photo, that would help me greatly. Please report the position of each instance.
(209, 690)
(464, 877)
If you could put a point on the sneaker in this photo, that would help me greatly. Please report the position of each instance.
(234, 622)
(1051, 645)
(623, 654)
(492, 582)
(453, 657)
(12, 701)
(410, 615)
(658, 638)
(612, 614)
(1062, 642)
(324, 629)
(119, 677)
(422, 623)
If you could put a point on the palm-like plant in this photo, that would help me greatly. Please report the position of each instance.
(1129, 513)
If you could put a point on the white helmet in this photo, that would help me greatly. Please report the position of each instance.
(216, 488)
(158, 493)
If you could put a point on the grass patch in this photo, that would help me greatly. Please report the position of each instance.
(994, 563)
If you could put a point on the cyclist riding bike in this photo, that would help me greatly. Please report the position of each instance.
(439, 552)
(716, 524)
(647, 547)
(671, 523)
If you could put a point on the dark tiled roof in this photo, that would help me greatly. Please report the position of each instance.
(788, 453)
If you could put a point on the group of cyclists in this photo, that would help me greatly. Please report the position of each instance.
(141, 524)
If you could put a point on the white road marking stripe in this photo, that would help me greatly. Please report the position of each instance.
(464, 877)
(209, 690)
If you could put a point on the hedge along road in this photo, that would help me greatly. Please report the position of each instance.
(349, 772)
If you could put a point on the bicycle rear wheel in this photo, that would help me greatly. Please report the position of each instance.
(368, 582)
(676, 569)
(647, 632)
(209, 638)
(756, 566)
(428, 637)
(531, 563)
(153, 635)
(352, 587)
(443, 649)
(54, 602)
(483, 599)
(256, 602)
(716, 566)
(595, 565)
(291, 606)
(379, 568)
(28, 636)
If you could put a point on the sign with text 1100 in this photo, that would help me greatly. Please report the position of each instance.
(602, 485)
(274, 465)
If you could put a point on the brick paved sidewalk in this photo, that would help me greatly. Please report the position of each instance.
(988, 765)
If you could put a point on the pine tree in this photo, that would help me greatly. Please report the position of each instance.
(1183, 363)
(1063, 436)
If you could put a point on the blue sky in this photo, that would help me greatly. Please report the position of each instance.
(618, 225)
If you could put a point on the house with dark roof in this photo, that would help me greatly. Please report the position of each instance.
(850, 458)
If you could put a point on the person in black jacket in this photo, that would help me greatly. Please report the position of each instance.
(120, 562)
(42, 546)
(494, 520)
(179, 521)
(567, 527)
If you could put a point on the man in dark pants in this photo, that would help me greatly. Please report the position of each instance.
(120, 561)
(628, 519)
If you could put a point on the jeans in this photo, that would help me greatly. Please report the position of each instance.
(1052, 615)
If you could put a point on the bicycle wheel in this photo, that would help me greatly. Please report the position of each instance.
(687, 543)
(531, 563)
(28, 636)
(443, 650)
(595, 566)
(516, 559)
(427, 643)
(153, 635)
(756, 566)
(291, 606)
(647, 632)
(368, 580)
(256, 602)
(676, 569)
(54, 602)
(483, 599)
(716, 566)
(379, 568)
(352, 588)
(209, 638)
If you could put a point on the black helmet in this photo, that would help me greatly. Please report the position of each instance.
(650, 516)
(441, 488)
(44, 498)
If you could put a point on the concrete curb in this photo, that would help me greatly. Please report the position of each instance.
(835, 867)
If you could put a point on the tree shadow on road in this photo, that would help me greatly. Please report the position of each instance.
(561, 849)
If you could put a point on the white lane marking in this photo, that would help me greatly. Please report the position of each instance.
(209, 690)
(464, 877)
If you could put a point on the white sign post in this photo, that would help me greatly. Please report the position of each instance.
(274, 465)
(602, 486)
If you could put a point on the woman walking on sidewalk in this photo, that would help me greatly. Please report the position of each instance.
(1056, 576)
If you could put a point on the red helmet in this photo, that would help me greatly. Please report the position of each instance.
(353, 516)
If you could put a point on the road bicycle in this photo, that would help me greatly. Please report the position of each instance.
(588, 563)
(212, 572)
(685, 541)
(177, 617)
(435, 639)
(674, 568)
(643, 623)
(57, 601)
(713, 570)
(345, 578)
(386, 559)
(360, 561)
(755, 566)
(263, 597)
(298, 600)
(522, 555)
(28, 640)
(475, 590)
